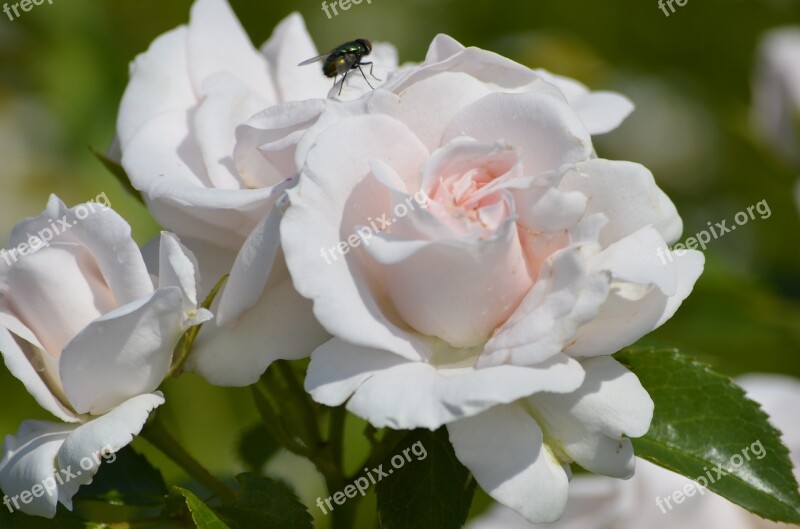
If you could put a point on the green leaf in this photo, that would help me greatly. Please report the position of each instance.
(129, 479)
(256, 447)
(433, 490)
(119, 172)
(184, 503)
(704, 422)
(265, 503)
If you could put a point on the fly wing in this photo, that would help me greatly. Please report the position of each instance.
(314, 59)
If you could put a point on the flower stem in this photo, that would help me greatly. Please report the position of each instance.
(159, 437)
(184, 346)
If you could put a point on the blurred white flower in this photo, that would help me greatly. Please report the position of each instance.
(776, 92)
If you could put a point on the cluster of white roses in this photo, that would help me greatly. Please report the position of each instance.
(492, 312)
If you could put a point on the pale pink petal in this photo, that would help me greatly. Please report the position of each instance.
(159, 83)
(564, 297)
(627, 194)
(289, 45)
(467, 290)
(125, 353)
(217, 42)
(333, 198)
(547, 132)
(252, 268)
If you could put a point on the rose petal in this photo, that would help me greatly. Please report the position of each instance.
(621, 320)
(589, 423)
(159, 83)
(467, 288)
(19, 364)
(28, 460)
(627, 194)
(428, 106)
(179, 269)
(332, 198)
(274, 124)
(601, 112)
(217, 42)
(280, 326)
(252, 267)
(377, 383)
(546, 130)
(57, 307)
(564, 297)
(226, 105)
(99, 439)
(635, 259)
(504, 449)
(104, 233)
(125, 353)
(170, 173)
(289, 45)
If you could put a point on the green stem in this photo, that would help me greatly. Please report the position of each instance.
(338, 418)
(159, 437)
(298, 394)
(343, 516)
(292, 418)
(184, 346)
(384, 448)
(274, 425)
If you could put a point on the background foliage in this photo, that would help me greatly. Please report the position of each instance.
(63, 69)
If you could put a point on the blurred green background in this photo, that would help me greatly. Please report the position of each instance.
(63, 68)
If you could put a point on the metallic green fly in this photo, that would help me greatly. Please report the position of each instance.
(343, 58)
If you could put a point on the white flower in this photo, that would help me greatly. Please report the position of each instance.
(601, 503)
(83, 328)
(776, 92)
(177, 131)
(475, 263)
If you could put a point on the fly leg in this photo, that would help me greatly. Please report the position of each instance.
(365, 77)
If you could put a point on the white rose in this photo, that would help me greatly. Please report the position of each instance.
(177, 131)
(601, 503)
(474, 263)
(86, 332)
